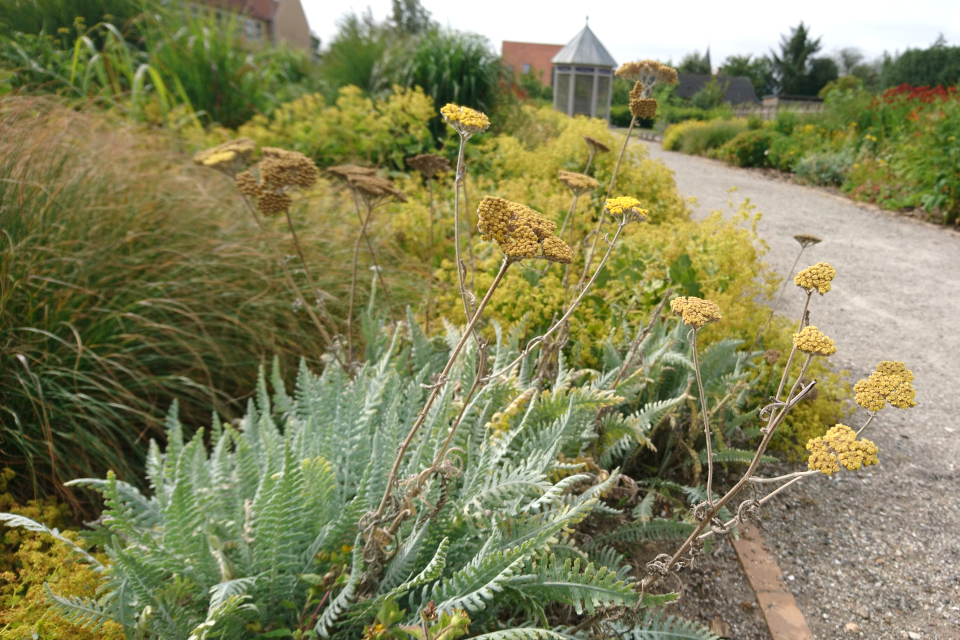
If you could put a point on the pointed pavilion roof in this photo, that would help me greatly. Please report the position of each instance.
(585, 48)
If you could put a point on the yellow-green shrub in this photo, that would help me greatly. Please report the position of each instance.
(355, 128)
(696, 137)
(27, 561)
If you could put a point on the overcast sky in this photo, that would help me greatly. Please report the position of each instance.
(668, 30)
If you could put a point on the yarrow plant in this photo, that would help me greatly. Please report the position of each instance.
(429, 165)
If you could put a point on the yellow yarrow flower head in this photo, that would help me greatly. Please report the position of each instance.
(891, 382)
(465, 120)
(230, 157)
(625, 206)
(840, 447)
(277, 173)
(811, 340)
(520, 231)
(816, 277)
(695, 312)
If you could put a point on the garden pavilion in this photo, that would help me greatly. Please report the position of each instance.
(583, 77)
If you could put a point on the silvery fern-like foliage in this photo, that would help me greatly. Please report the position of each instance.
(244, 522)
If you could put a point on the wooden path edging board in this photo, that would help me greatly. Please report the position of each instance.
(779, 608)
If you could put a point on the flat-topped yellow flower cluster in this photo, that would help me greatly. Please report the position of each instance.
(840, 447)
(520, 231)
(891, 382)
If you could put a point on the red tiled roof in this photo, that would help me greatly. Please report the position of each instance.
(517, 54)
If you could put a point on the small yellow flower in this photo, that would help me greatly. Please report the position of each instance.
(840, 447)
(695, 312)
(816, 277)
(465, 120)
(229, 157)
(811, 340)
(625, 205)
(891, 382)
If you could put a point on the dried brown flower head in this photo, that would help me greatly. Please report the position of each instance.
(578, 182)
(374, 189)
(429, 164)
(771, 356)
(520, 231)
(282, 169)
(891, 382)
(695, 312)
(816, 277)
(277, 173)
(229, 158)
(807, 240)
(344, 171)
(813, 341)
(595, 145)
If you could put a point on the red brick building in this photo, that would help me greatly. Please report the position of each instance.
(524, 57)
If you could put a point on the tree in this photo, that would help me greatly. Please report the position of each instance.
(795, 70)
(759, 70)
(695, 63)
(937, 65)
(409, 17)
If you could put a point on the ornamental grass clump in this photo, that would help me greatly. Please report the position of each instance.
(269, 183)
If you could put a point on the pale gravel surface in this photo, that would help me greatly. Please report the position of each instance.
(880, 549)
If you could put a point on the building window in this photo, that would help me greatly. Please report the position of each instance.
(526, 67)
(253, 29)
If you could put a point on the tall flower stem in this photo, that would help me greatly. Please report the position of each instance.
(603, 213)
(469, 228)
(429, 261)
(458, 178)
(373, 255)
(776, 304)
(353, 276)
(291, 282)
(593, 152)
(438, 387)
(706, 421)
(306, 269)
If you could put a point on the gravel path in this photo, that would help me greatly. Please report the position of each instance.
(872, 554)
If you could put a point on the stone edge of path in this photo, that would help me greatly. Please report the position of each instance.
(779, 608)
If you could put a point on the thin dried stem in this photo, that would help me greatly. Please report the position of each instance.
(292, 283)
(477, 383)
(793, 351)
(603, 211)
(306, 270)
(776, 304)
(430, 262)
(557, 324)
(586, 169)
(353, 276)
(441, 382)
(466, 209)
(706, 421)
(373, 254)
(458, 177)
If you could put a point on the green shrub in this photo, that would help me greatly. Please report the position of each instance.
(828, 168)
(749, 148)
(697, 138)
(450, 66)
(784, 152)
(355, 128)
(620, 115)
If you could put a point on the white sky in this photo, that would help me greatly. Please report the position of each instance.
(668, 30)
